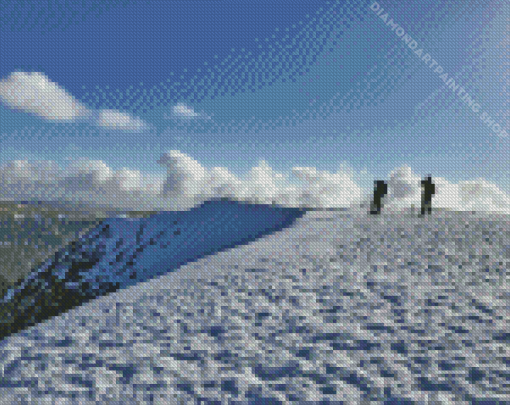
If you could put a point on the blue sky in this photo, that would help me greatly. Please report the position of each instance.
(231, 83)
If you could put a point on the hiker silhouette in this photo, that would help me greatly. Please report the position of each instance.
(429, 189)
(380, 190)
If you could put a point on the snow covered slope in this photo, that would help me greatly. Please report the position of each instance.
(341, 306)
(121, 252)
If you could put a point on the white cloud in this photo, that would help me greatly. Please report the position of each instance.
(188, 183)
(222, 183)
(325, 189)
(35, 93)
(86, 175)
(185, 176)
(112, 119)
(260, 184)
(128, 180)
(183, 111)
(472, 195)
(23, 172)
(403, 184)
(87, 181)
(404, 190)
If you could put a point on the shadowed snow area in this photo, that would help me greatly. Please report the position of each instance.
(118, 253)
(340, 306)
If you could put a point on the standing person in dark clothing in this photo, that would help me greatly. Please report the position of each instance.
(380, 190)
(429, 189)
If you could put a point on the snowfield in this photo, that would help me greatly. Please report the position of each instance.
(340, 306)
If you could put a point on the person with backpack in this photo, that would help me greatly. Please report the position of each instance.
(429, 189)
(380, 190)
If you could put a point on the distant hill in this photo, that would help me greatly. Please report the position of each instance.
(44, 208)
(60, 205)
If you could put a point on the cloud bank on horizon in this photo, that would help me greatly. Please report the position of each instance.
(188, 183)
(35, 93)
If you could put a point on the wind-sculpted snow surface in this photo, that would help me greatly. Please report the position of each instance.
(120, 252)
(341, 306)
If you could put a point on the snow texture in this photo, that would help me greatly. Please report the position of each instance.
(118, 253)
(340, 306)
